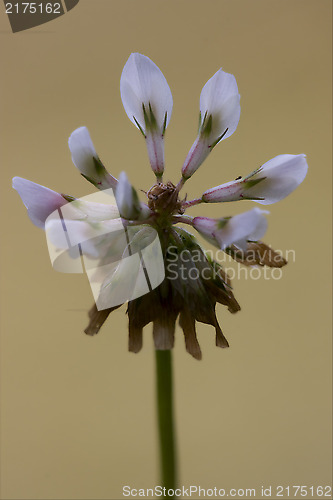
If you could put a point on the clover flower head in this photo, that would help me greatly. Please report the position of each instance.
(190, 283)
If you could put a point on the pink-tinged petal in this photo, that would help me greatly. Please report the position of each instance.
(205, 225)
(219, 117)
(39, 200)
(155, 148)
(270, 183)
(230, 191)
(86, 160)
(197, 154)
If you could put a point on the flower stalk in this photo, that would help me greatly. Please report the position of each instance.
(164, 393)
(191, 203)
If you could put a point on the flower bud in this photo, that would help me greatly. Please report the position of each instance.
(270, 183)
(219, 117)
(85, 159)
(147, 100)
(127, 199)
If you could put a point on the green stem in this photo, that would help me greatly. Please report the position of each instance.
(165, 418)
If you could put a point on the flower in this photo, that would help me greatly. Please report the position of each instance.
(111, 237)
(270, 183)
(219, 117)
(147, 100)
(237, 230)
(86, 160)
(128, 201)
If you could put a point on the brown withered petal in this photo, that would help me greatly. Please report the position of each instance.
(225, 277)
(97, 319)
(164, 333)
(161, 306)
(257, 253)
(216, 282)
(219, 284)
(223, 295)
(205, 313)
(187, 323)
(221, 341)
(134, 337)
(190, 299)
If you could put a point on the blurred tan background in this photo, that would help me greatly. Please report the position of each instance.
(78, 413)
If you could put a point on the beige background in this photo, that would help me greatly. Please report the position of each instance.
(78, 414)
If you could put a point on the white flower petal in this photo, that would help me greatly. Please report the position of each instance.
(143, 83)
(236, 230)
(283, 174)
(220, 99)
(260, 226)
(220, 113)
(127, 199)
(83, 151)
(124, 195)
(86, 160)
(145, 212)
(250, 225)
(39, 200)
